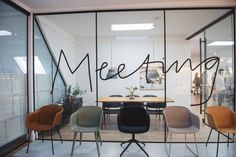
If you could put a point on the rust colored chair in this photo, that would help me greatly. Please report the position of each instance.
(45, 119)
(222, 120)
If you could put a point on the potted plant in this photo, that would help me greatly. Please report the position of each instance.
(77, 91)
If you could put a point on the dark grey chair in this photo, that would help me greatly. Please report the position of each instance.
(133, 119)
(111, 108)
(155, 108)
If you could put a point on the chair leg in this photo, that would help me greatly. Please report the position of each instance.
(168, 153)
(99, 136)
(29, 137)
(189, 147)
(208, 137)
(96, 138)
(42, 137)
(228, 141)
(80, 138)
(52, 142)
(73, 144)
(218, 140)
(59, 134)
(125, 149)
(141, 148)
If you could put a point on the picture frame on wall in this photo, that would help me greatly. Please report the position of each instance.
(152, 78)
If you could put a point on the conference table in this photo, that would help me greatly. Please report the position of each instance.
(139, 99)
(136, 99)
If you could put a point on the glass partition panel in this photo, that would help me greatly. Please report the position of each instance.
(13, 73)
(74, 36)
(129, 38)
(220, 43)
(180, 49)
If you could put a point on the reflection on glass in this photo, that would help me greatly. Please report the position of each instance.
(13, 77)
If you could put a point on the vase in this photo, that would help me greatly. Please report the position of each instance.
(131, 96)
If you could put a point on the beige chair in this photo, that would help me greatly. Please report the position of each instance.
(86, 120)
(180, 120)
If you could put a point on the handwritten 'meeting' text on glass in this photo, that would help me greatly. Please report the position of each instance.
(208, 64)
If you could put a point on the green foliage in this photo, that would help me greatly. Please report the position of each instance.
(131, 89)
(78, 91)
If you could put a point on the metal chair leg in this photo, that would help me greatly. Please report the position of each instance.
(208, 137)
(142, 148)
(125, 149)
(96, 138)
(52, 142)
(42, 137)
(73, 144)
(59, 134)
(168, 153)
(29, 137)
(80, 138)
(228, 141)
(189, 147)
(99, 136)
(218, 140)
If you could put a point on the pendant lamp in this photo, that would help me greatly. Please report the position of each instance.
(112, 71)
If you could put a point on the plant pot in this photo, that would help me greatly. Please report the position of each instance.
(131, 97)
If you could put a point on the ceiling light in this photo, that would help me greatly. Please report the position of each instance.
(128, 27)
(131, 37)
(5, 33)
(221, 43)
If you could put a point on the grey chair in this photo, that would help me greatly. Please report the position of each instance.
(180, 120)
(86, 120)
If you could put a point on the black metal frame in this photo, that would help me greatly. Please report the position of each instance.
(5, 149)
(152, 9)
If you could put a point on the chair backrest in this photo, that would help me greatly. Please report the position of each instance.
(89, 116)
(48, 112)
(134, 96)
(133, 116)
(222, 116)
(133, 104)
(177, 116)
(112, 104)
(154, 105)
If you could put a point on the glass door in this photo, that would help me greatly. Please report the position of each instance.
(219, 42)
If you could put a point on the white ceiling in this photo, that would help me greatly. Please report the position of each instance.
(178, 22)
(74, 5)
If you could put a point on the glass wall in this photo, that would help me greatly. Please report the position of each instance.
(45, 69)
(119, 39)
(13, 73)
(220, 43)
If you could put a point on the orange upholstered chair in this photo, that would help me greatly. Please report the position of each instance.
(221, 119)
(46, 118)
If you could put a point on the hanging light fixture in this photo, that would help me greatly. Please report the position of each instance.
(112, 71)
(152, 74)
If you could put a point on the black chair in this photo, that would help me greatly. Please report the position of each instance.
(155, 108)
(133, 119)
(111, 107)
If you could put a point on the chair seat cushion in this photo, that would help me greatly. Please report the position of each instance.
(39, 126)
(77, 128)
(131, 129)
(185, 130)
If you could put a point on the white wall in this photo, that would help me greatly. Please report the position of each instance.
(59, 39)
(178, 84)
